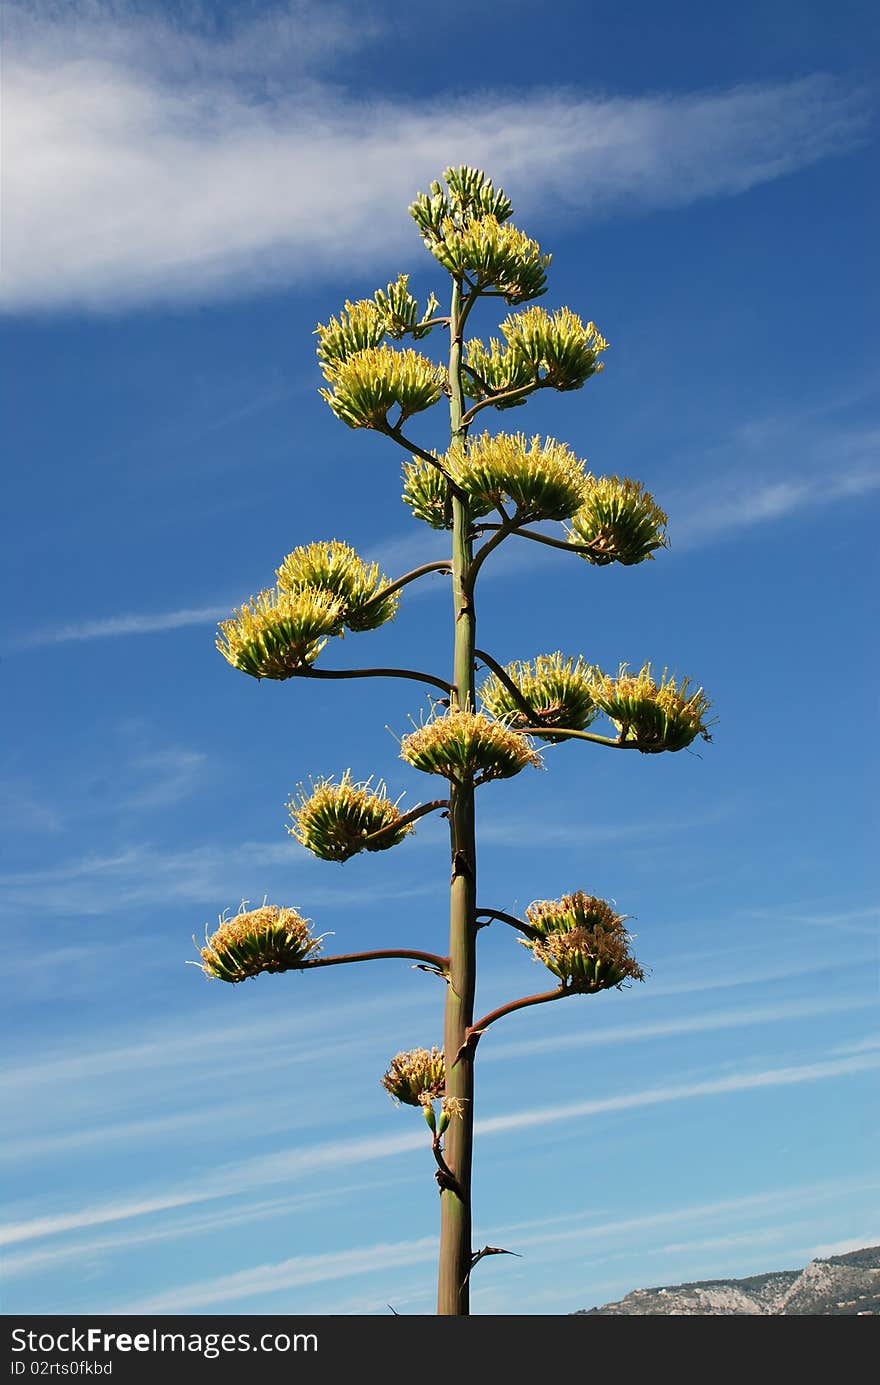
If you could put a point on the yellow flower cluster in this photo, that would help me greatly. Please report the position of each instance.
(336, 821)
(539, 480)
(416, 1077)
(334, 567)
(468, 748)
(620, 520)
(252, 941)
(573, 911)
(582, 941)
(391, 311)
(654, 716)
(559, 690)
(494, 255)
(278, 634)
(366, 385)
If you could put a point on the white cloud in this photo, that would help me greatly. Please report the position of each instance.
(167, 777)
(114, 626)
(754, 481)
(209, 876)
(290, 1274)
(294, 1163)
(147, 162)
(315, 1269)
(696, 1024)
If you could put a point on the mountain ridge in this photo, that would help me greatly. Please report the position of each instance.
(839, 1285)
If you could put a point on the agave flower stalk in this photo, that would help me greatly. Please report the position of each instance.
(481, 489)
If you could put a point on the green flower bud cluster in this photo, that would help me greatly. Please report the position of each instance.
(337, 821)
(541, 350)
(400, 311)
(469, 193)
(426, 492)
(537, 480)
(496, 370)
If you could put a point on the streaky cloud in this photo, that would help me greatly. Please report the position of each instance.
(295, 1163)
(146, 162)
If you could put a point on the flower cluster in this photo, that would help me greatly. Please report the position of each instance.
(540, 480)
(559, 691)
(653, 716)
(467, 747)
(587, 960)
(573, 911)
(620, 521)
(400, 311)
(358, 328)
(493, 254)
(278, 634)
(426, 492)
(555, 350)
(391, 311)
(335, 568)
(266, 939)
(468, 193)
(416, 1077)
(366, 385)
(496, 370)
(582, 941)
(336, 821)
(559, 347)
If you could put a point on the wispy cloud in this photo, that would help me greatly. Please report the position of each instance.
(166, 777)
(775, 468)
(291, 1274)
(565, 832)
(112, 627)
(194, 1224)
(696, 1024)
(296, 1163)
(129, 142)
(209, 876)
(314, 1269)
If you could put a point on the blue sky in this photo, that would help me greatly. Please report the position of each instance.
(187, 192)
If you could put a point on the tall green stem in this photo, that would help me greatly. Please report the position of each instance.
(455, 1200)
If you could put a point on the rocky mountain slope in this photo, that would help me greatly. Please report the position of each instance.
(841, 1285)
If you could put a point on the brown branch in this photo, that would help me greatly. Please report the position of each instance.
(376, 673)
(393, 432)
(446, 1179)
(565, 733)
(504, 677)
(405, 954)
(443, 565)
(521, 392)
(499, 914)
(412, 816)
(551, 543)
(478, 1029)
(508, 527)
